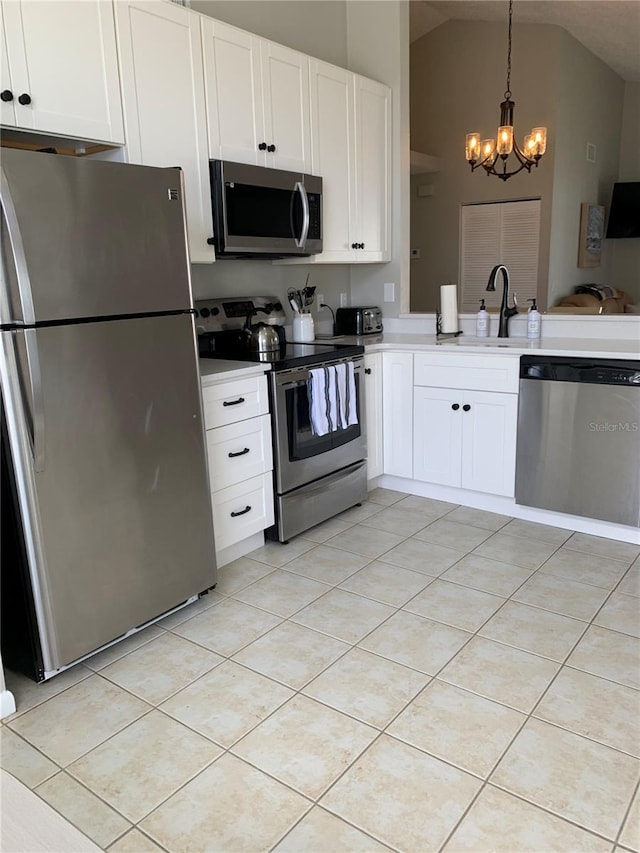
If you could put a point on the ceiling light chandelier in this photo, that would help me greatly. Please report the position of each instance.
(487, 152)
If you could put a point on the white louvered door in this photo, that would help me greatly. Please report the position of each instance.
(499, 233)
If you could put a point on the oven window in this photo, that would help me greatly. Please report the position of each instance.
(303, 444)
(262, 211)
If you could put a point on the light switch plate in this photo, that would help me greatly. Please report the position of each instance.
(343, 300)
(389, 291)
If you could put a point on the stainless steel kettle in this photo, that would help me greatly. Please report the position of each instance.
(261, 337)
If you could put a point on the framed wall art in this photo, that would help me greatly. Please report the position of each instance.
(591, 234)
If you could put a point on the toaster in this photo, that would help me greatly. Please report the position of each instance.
(358, 321)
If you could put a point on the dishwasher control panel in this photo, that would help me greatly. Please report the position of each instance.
(562, 369)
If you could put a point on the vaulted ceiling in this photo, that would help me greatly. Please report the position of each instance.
(610, 29)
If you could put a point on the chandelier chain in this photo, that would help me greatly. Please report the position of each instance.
(507, 94)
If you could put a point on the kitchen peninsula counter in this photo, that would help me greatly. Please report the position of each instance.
(568, 347)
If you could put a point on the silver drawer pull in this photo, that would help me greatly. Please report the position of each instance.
(239, 453)
(241, 512)
(233, 402)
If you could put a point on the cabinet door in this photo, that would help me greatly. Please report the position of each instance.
(437, 436)
(163, 94)
(373, 169)
(373, 405)
(7, 108)
(489, 442)
(332, 153)
(233, 93)
(397, 417)
(285, 88)
(63, 55)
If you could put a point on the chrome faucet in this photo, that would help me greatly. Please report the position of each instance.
(505, 312)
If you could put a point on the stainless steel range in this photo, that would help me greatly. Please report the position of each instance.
(315, 476)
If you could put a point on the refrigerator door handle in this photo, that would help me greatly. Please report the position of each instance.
(22, 272)
(37, 400)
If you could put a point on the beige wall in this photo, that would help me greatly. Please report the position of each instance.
(589, 96)
(626, 253)
(458, 75)
(316, 27)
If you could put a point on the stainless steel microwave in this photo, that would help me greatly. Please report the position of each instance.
(264, 213)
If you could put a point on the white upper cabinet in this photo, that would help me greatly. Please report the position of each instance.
(257, 95)
(285, 99)
(373, 168)
(332, 156)
(61, 69)
(164, 108)
(233, 93)
(350, 149)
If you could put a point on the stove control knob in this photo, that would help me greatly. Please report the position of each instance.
(278, 306)
(215, 312)
(205, 312)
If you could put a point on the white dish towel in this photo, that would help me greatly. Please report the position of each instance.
(332, 398)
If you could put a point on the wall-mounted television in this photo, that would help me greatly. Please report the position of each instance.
(624, 211)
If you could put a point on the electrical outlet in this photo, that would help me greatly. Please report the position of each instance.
(343, 300)
(389, 291)
(319, 299)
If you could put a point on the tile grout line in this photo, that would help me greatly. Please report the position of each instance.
(530, 716)
(298, 692)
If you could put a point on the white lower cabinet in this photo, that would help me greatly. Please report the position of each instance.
(397, 415)
(465, 439)
(373, 409)
(244, 509)
(239, 452)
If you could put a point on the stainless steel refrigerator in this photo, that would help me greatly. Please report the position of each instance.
(106, 509)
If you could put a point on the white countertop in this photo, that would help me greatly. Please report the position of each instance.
(218, 369)
(579, 347)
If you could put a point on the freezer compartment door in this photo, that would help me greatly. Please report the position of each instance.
(120, 518)
(88, 238)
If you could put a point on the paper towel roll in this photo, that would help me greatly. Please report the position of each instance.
(449, 307)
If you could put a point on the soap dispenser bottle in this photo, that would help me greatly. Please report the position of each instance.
(533, 321)
(482, 321)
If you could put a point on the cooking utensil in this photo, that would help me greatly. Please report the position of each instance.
(307, 294)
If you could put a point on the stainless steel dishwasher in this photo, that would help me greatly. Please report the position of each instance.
(578, 448)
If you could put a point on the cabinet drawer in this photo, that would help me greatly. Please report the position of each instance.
(481, 372)
(244, 509)
(230, 402)
(238, 452)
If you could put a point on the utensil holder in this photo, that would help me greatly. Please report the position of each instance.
(303, 328)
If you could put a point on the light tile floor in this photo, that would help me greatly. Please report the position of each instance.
(411, 675)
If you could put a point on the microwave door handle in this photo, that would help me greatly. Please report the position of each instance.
(299, 187)
(20, 262)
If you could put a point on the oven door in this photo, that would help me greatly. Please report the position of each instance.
(301, 456)
(260, 211)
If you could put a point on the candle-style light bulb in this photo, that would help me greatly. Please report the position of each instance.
(488, 149)
(505, 140)
(472, 146)
(540, 137)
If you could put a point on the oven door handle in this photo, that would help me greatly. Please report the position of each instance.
(301, 375)
(301, 241)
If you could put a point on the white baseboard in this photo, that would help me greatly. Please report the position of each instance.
(7, 703)
(239, 549)
(508, 506)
